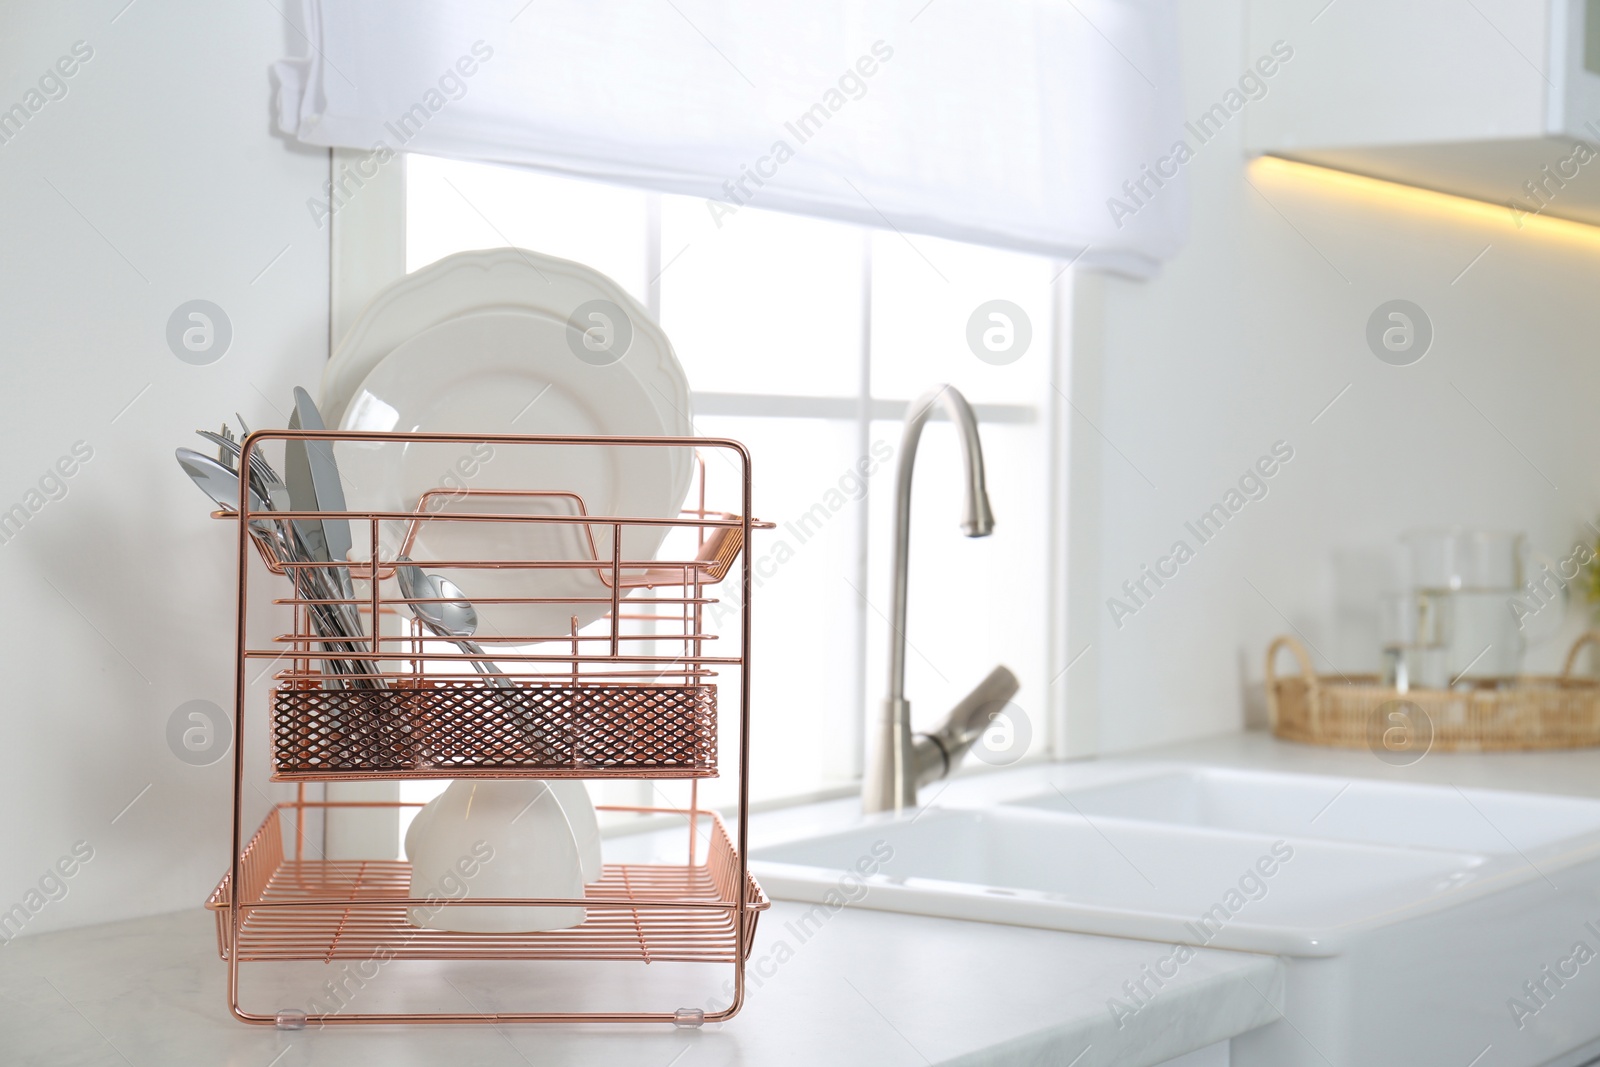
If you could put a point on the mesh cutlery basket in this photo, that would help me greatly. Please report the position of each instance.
(464, 731)
(632, 694)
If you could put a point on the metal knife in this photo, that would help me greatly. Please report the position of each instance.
(303, 492)
(310, 472)
(325, 481)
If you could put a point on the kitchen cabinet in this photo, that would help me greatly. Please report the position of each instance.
(1498, 100)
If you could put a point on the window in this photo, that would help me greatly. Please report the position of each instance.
(805, 339)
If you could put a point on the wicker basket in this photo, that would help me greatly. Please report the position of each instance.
(1346, 711)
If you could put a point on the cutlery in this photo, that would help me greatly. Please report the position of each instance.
(450, 616)
(303, 493)
(325, 481)
(223, 455)
(325, 490)
(311, 469)
(223, 486)
(263, 479)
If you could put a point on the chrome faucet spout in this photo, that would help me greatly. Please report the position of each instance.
(891, 777)
(976, 519)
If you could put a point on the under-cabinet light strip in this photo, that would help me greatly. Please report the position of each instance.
(1415, 197)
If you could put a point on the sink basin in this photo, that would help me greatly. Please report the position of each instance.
(1146, 880)
(1410, 915)
(1380, 813)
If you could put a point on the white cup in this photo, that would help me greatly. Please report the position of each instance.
(495, 838)
(574, 798)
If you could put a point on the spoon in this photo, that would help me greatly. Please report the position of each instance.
(265, 483)
(450, 615)
(222, 486)
(263, 479)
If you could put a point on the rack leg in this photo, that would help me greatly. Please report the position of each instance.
(694, 817)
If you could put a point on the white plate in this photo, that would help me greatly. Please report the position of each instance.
(477, 281)
(511, 371)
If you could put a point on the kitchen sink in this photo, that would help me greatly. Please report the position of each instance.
(1410, 916)
(1380, 813)
(1133, 879)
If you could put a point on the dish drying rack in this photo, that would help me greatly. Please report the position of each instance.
(632, 696)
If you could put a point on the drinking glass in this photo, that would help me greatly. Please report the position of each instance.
(1455, 558)
(1415, 630)
(1477, 578)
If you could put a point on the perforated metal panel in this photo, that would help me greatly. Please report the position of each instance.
(456, 730)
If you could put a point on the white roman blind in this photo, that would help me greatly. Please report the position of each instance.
(1013, 123)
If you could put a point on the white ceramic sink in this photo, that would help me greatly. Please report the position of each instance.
(1411, 915)
(1132, 879)
(1380, 813)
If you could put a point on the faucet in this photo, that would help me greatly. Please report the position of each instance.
(898, 762)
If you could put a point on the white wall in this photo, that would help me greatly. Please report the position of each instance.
(154, 181)
(1243, 340)
(118, 605)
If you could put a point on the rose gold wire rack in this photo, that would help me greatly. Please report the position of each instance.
(633, 695)
(356, 909)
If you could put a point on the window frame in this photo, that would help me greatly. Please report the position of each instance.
(367, 252)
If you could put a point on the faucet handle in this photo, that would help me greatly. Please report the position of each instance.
(938, 754)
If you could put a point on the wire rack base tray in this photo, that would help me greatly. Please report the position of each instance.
(661, 912)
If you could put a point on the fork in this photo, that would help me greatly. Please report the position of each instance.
(224, 455)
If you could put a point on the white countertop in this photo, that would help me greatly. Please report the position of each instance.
(867, 988)
(1564, 772)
